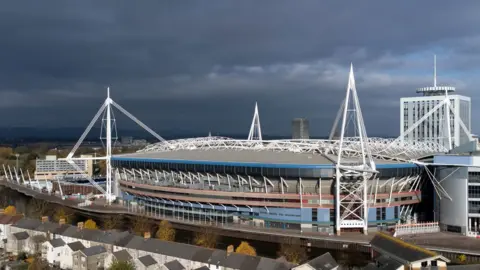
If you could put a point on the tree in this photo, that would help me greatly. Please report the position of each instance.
(62, 213)
(112, 222)
(121, 265)
(462, 258)
(10, 210)
(205, 238)
(5, 152)
(90, 224)
(37, 208)
(293, 253)
(165, 231)
(38, 264)
(246, 249)
(141, 225)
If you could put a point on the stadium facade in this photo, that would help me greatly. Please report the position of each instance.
(281, 183)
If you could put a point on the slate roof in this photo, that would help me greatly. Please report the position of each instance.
(7, 219)
(171, 249)
(398, 249)
(95, 250)
(202, 268)
(27, 224)
(75, 246)
(58, 242)
(21, 235)
(110, 237)
(147, 260)
(323, 262)
(47, 227)
(386, 263)
(174, 265)
(122, 256)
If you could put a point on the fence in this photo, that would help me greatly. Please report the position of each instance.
(416, 228)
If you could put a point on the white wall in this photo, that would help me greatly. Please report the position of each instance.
(454, 212)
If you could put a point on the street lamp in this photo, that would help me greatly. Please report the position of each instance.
(17, 155)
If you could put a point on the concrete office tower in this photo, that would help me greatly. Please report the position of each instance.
(300, 128)
(437, 116)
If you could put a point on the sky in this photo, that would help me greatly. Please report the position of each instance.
(200, 66)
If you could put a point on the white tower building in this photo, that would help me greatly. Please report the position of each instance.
(437, 116)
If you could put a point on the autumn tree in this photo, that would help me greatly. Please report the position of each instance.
(206, 238)
(112, 222)
(246, 249)
(10, 210)
(293, 253)
(37, 208)
(5, 152)
(462, 258)
(165, 231)
(90, 224)
(38, 263)
(63, 213)
(121, 265)
(141, 224)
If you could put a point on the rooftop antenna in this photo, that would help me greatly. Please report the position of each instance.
(255, 129)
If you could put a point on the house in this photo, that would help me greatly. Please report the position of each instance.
(89, 258)
(397, 254)
(18, 243)
(323, 262)
(121, 256)
(5, 223)
(54, 251)
(146, 262)
(173, 265)
(69, 250)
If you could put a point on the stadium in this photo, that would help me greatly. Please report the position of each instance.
(278, 183)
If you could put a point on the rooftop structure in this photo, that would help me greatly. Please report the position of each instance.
(51, 168)
(436, 116)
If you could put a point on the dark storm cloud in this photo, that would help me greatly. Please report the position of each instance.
(201, 65)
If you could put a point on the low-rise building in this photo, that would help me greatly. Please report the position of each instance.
(323, 262)
(69, 251)
(54, 251)
(392, 253)
(52, 168)
(89, 258)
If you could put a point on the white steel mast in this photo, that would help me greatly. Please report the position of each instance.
(351, 178)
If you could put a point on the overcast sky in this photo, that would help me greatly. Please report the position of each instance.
(201, 65)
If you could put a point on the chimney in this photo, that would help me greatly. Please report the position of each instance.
(61, 222)
(146, 235)
(80, 225)
(2, 211)
(44, 219)
(230, 250)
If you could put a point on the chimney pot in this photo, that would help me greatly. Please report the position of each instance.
(230, 249)
(146, 235)
(80, 225)
(44, 219)
(61, 221)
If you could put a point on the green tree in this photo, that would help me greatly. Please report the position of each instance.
(112, 222)
(121, 265)
(462, 258)
(62, 212)
(205, 238)
(293, 253)
(165, 231)
(141, 225)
